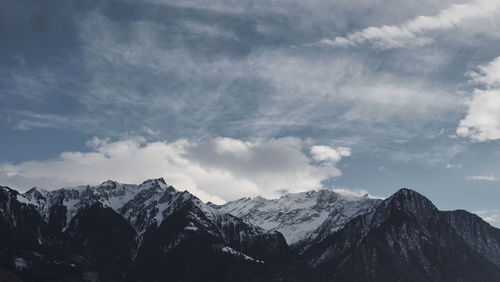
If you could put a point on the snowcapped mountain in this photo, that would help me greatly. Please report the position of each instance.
(153, 232)
(73, 227)
(141, 205)
(301, 217)
(127, 199)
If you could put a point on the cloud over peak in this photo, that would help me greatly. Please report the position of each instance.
(215, 170)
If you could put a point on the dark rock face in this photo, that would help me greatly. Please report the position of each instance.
(102, 240)
(478, 234)
(152, 232)
(404, 239)
(183, 249)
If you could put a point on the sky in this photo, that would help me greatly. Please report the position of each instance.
(229, 98)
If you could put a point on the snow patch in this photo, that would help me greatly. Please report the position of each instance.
(234, 252)
(20, 264)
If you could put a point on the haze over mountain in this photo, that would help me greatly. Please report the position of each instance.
(153, 232)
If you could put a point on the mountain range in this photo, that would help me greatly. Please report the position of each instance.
(153, 232)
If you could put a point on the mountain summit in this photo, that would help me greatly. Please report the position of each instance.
(153, 232)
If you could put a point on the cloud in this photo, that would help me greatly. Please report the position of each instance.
(488, 75)
(329, 154)
(237, 68)
(490, 178)
(355, 193)
(449, 165)
(215, 170)
(482, 122)
(206, 73)
(491, 216)
(34, 120)
(346, 89)
(148, 130)
(411, 32)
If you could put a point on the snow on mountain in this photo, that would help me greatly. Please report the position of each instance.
(141, 205)
(301, 217)
(109, 193)
(152, 229)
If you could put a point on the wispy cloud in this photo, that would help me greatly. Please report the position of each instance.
(363, 95)
(490, 178)
(412, 32)
(26, 120)
(148, 130)
(448, 165)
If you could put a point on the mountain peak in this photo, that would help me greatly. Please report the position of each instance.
(109, 183)
(155, 180)
(411, 201)
(409, 194)
(35, 193)
(8, 190)
(406, 191)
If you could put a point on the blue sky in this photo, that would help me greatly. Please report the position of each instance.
(242, 98)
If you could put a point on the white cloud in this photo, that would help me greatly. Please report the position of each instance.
(491, 178)
(488, 75)
(491, 216)
(232, 146)
(482, 122)
(214, 170)
(355, 193)
(329, 154)
(410, 33)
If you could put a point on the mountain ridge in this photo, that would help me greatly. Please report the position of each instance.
(128, 232)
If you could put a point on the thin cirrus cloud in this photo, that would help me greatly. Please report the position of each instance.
(490, 178)
(412, 32)
(156, 86)
(352, 89)
(482, 122)
(215, 170)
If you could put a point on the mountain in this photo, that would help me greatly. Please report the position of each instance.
(301, 217)
(402, 238)
(119, 232)
(405, 238)
(153, 232)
